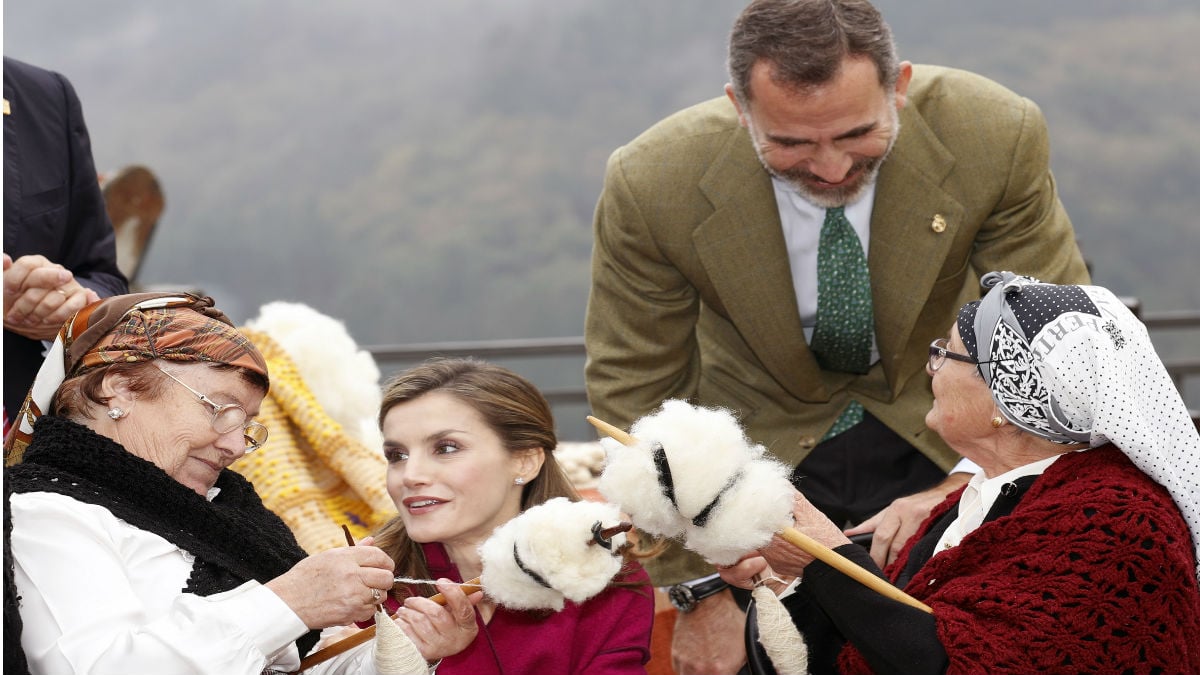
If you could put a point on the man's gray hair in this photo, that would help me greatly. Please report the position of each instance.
(806, 42)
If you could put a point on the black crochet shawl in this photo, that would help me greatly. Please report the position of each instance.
(234, 538)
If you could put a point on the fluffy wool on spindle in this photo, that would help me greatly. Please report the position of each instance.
(626, 480)
(552, 541)
(750, 512)
(708, 454)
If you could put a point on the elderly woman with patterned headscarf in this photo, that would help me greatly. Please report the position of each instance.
(1073, 551)
(133, 548)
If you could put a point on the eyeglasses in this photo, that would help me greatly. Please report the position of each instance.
(939, 351)
(229, 416)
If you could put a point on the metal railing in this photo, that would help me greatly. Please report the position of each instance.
(555, 365)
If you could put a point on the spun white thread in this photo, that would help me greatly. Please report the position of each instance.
(778, 635)
(427, 582)
(395, 653)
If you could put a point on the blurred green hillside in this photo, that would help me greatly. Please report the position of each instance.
(427, 170)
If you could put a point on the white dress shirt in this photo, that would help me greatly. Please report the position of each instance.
(101, 596)
(802, 222)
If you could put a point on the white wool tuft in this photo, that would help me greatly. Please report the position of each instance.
(629, 479)
(582, 462)
(344, 378)
(757, 506)
(552, 541)
(706, 450)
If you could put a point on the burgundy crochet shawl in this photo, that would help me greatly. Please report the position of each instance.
(1092, 572)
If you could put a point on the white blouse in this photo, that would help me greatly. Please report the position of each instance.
(978, 498)
(101, 596)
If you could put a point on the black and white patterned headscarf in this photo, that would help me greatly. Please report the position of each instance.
(1072, 364)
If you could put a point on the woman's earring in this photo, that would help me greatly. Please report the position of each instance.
(520, 480)
(997, 422)
(116, 413)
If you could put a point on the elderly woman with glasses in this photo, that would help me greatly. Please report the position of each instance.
(1075, 548)
(132, 548)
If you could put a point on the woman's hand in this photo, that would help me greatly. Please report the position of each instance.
(439, 631)
(334, 587)
(743, 572)
(784, 557)
(746, 571)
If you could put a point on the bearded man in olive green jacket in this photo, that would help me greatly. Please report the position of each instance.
(695, 294)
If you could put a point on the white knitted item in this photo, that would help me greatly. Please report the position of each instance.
(395, 653)
(778, 635)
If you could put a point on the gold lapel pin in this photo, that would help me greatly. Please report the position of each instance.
(7, 109)
(939, 224)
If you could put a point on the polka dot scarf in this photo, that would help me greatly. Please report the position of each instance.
(1072, 364)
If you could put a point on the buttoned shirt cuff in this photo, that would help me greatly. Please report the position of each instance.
(791, 588)
(262, 615)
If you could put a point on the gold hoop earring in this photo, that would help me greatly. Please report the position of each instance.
(997, 422)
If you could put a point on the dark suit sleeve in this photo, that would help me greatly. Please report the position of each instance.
(893, 637)
(52, 201)
(89, 250)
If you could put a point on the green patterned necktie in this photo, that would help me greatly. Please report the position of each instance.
(845, 319)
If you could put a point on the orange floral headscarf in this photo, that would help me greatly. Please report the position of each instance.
(130, 329)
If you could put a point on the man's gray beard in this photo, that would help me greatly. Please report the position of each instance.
(832, 198)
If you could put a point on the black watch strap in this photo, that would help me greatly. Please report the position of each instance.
(687, 595)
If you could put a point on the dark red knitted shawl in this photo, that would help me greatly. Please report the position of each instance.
(1093, 572)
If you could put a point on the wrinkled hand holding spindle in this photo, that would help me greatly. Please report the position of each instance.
(780, 559)
(335, 587)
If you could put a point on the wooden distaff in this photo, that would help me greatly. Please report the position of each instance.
(800, 540)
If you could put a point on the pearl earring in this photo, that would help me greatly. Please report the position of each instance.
(997, 422)
(116, 413)
(520, 480)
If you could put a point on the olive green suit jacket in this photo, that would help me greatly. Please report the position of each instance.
(692, 294)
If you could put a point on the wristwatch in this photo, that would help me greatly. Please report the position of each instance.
(687, 595)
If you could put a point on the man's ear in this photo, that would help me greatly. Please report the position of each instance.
(736, 106)
(902, 80)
